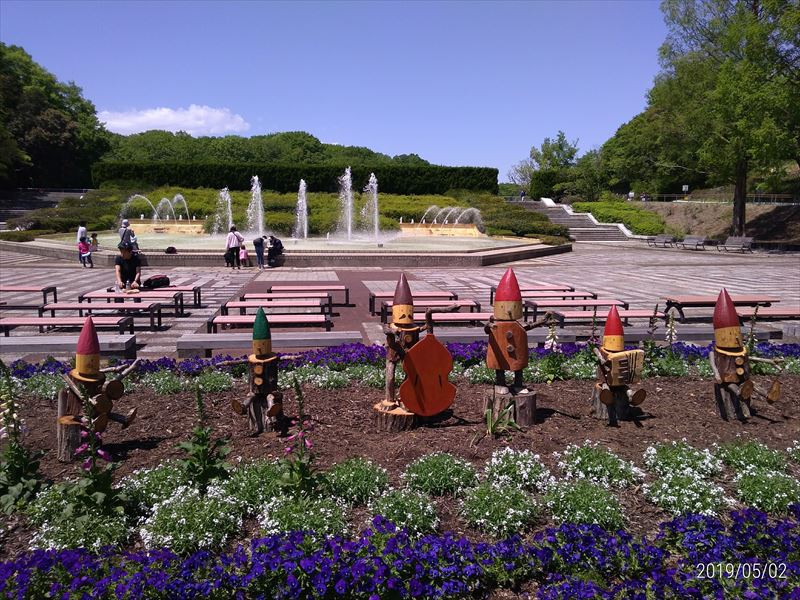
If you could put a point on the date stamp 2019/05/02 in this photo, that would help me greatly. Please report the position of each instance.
(754, 570)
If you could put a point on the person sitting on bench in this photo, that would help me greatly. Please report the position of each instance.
(274, 250)
(127, 268)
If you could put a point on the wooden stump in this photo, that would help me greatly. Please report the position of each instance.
(730, 403)
(68, 437)
(523, 405)
(393, 420)
(618, 410)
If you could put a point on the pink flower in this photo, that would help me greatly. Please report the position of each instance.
(87, 464)
(309, 444)
(84, 433)
(82, 448)
(104, 455)
(287, 450)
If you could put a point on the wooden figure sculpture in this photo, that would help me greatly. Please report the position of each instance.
(730, 363)
(88, 381)
(264, 404)
(618, 368)
(426, 391)
(508, 351)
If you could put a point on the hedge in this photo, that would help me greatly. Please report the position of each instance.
(393, 179)
(640, 222)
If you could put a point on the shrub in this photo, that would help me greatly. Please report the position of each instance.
(794, 451)
(323, 516)
(440, 474)
(597, 465)
(96, 533)
(214, 381)
(407, 509)
(769, 491)
(499, 511)
(187, 521)
(639, 221)
(163, 383)
(370, 375)
(751, 456)
(43, 385)
(254, 484)
(685, 492)
(681, 458)
(25, 235)
(582, 502)
(519, 468)
(357, 480)
(144, 488)
(321, 377)
(479, 373)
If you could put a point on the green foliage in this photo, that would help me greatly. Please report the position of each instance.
(552, 367)
(499, 511)
(144, 488)
(284, 176)
(254, 484)
(190, 521)
(370, 375)
(49, 134)
(440, 474)
(323, 516)
(598, 465)
(519, 468)
(214, 381)
(679, 457)
(206, 456)
(163, 382)
(683, 493)
(479, 373)
(770, 491)
(794, 452)
(299, 476)
(27, 235)
(747, 456)
(639, 221)
(356, 481)
(42, 385)
(408, 509)
(501, 425)
(584, 502)
(19, 467)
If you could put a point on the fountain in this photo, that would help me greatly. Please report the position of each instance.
(301, 213)
(223, 219)
(450, 221)
(124, 210)
(371, 207)
(177, 199)
(165, 203)
(346, 200)
(255, 210)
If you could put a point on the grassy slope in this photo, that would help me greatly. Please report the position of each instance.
(764, 222)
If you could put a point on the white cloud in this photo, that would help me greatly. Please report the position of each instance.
(195, 120)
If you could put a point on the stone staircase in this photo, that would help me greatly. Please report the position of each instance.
(15, 203)
(581, 227)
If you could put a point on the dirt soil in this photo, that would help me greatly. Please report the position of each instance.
(675, 408)
(764, 222)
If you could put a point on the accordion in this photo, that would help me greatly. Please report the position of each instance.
(625, 367)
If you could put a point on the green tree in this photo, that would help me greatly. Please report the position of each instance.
(731, 75)
(546, 166)
(587, 178)
(55, 132)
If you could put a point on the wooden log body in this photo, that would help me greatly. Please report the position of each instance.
(730, 403)
(733, 388)
(392, 418)
(732, 369)
(264, 404)
(508, 347)
(399, 341)
(625, 367)
(68, 437)
(523, 409)
(618, 410)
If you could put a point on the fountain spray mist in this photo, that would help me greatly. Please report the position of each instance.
(255, 210)
(224, 214)
(346, 200)
(372, 202)
(301, 213)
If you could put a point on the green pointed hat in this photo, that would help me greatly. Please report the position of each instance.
(262, 340)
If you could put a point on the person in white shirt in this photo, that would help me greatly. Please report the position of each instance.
(232, 243)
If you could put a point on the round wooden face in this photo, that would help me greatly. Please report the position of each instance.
(114, 389)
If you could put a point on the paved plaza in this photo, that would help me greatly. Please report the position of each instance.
(628, 271)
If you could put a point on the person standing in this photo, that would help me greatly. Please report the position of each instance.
(81, 234)
(258, 244)
(127, 236)
(244, 257)
(85, 252)
(232, 243)
(127, 268)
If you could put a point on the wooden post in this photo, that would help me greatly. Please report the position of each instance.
(618, 410)
(523, 405)
(730, 403)
(393, 420)
(68, 437)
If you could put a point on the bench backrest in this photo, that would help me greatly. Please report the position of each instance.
(738, 241)
(694, 239)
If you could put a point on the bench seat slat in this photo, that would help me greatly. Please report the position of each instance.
(301, 319)
(122, 322)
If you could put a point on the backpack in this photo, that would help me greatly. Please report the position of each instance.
(156, 281)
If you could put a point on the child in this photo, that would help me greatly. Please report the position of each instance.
(244, 257)
(85, 251)
(229, 258)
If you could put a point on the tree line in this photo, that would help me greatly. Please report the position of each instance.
(724, 110)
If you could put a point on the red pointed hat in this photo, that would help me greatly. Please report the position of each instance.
(88, 342)
(725, 311)
(613, 323)
(508, 288)
(402, 292)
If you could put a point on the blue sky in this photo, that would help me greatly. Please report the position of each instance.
(459, 83)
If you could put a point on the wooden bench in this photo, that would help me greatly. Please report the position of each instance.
(473, 306)
(197, 292)
(8, 323)
(784, 311)
(176, 297)
(325, 287)
(455, 317)
(661, 241)
(545, 287)
(192, 343)
(693, 242)
(467, 335)
(584, 315)
(531, 308)
(289, 296)
(43, 290)
(275, 306)
(679, 303)
(151, 309)
(427, 295)
(297, 320)
(739, 244)
(64, 345)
